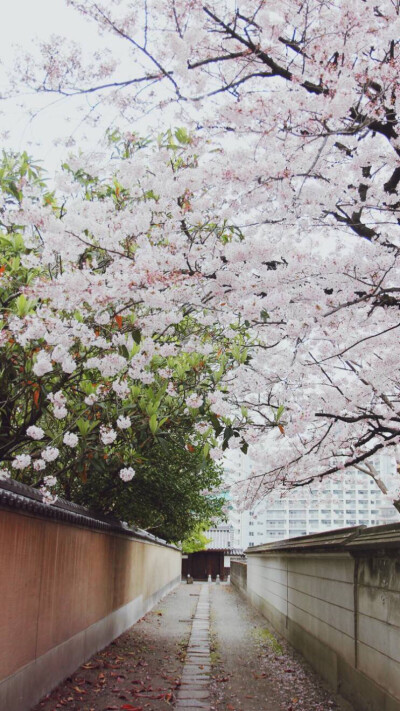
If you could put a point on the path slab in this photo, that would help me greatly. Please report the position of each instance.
(194, 690)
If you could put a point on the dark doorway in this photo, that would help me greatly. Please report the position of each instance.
(202, 564)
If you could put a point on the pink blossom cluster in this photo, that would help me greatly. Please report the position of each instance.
(278, 217)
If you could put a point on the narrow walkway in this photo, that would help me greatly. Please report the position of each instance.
(202, 648)
(139, 671)
(194, 691)
(256, 670)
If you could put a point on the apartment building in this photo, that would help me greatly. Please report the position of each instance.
(348, 500)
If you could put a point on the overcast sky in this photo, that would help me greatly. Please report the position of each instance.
(22, 23)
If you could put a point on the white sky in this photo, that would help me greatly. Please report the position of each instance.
(22, 23)
(25, 21)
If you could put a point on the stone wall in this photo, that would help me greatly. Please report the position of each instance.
(336, 597)
(69, 585)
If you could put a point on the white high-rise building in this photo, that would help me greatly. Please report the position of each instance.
(351, 500)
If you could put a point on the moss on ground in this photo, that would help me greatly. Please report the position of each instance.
(266, 638)
(215, 656)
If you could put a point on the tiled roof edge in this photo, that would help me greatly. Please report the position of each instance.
(17, 496)
(352, 539)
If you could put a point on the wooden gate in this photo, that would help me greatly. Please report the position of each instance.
(202, 564)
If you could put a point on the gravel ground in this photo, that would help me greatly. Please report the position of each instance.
(254, 669)
(140, 670)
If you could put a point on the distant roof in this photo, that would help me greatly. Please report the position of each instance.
(226, 551)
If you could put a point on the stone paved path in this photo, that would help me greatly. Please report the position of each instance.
(194, 691)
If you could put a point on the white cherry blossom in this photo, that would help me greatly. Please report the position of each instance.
(35, 432)
(127, 473)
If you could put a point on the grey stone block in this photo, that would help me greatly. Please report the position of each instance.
(193, 694)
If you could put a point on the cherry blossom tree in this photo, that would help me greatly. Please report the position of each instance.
(294, 117)
(108, 346)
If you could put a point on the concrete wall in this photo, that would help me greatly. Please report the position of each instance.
(66, 591)
(378, 622)
(238, 574)
(338, 602)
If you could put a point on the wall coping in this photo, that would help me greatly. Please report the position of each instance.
(25, 499)
(342, 540)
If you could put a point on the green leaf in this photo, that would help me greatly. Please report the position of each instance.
(153, 424)
(216, 424)
(15, 264)
(23, 305)
(83, 426)
(182, 136)
(136, 335)
(206, 449)
(152, 407)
